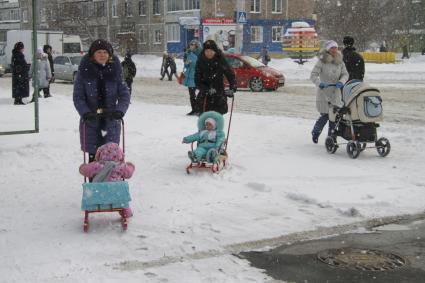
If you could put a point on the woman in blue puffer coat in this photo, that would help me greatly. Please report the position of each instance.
(99, 89)
(191, 57)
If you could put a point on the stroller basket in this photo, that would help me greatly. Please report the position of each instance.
(105, 195)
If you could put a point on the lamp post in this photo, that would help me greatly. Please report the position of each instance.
(34, 63)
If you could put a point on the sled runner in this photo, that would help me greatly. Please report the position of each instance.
(105, 196)
(357, 120)
(214, 160)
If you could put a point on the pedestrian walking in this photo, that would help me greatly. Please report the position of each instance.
(329, 75)
(191, 57)
(168, 67)
(353, 61)
(129, 70)
(20, 76)
(44, 75)
(101, 97)
(48, 50)
(211, 68)
(264, 55)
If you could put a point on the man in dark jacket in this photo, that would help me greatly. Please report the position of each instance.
(353, 61)
(211, 68)
(129, 70)
(48, 50)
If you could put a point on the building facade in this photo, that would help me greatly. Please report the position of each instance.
(153, 26)
(10, 17)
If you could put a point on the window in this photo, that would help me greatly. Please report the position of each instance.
(15, 15)
(192, 4)
(255, 6)
(277, 34)
(143, 36)
(173, 33)
(157, 36)
(60, 60)
(156, 7)
(142, 8)
(43, 16)
(25, 16)
(277, 6)
(99, 8)
(128, 9)
(256, 34)
(114, 8)
(235, 63)
(180, 5)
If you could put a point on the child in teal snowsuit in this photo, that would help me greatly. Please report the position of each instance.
(210, 137)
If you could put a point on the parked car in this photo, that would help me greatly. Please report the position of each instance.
(251, 73)
(66, 67)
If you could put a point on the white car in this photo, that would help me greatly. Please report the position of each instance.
(66, 67)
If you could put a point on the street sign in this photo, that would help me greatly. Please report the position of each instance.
(241, 18)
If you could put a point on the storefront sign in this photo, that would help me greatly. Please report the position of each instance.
(217, 21)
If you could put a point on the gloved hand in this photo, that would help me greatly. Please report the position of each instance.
(117, 115)
(212, 91)
(234, 88)
(322, 85)
(89, 116)
(339, 85)
(184, 140)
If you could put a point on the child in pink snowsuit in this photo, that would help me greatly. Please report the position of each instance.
(109, 166)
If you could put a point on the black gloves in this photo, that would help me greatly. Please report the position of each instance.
(117, 115)
(113, 115)
(234, 88)
(89, 116)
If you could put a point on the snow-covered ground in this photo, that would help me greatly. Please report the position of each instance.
(277, 182)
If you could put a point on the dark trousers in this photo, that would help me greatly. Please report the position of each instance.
(320, 124)
(192, 96)
(165, 72)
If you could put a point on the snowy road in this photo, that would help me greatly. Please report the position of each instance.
(404, 101)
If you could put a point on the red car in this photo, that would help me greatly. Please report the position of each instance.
(251, 73)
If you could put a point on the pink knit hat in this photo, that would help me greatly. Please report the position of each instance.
(109, 152)
(211, 121)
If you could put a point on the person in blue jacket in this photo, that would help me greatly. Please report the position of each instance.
(100, 96)
(191, 57)
(210, 137)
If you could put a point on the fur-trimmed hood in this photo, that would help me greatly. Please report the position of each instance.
(327, 58)
(214, 115)
(90, 69)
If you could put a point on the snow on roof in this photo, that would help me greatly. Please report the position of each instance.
(300, 25)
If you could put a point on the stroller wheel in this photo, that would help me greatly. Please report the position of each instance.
(383, 146)
(353, 149)
(363, 146)
(330, 144)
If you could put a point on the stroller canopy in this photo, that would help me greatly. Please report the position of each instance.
(353, 89)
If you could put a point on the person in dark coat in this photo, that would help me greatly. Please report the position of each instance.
(168, 67)
(48, 50)
(99, 88)
(20, 74)
(210, 70)
(353, 61)
(129, 70)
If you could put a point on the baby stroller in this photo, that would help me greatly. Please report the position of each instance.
(214, 162)
(357, 120)
(104, 196)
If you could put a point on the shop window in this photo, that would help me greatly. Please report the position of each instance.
(256, 34)
(277, 34)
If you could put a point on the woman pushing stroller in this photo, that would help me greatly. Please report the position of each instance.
(329, 75)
